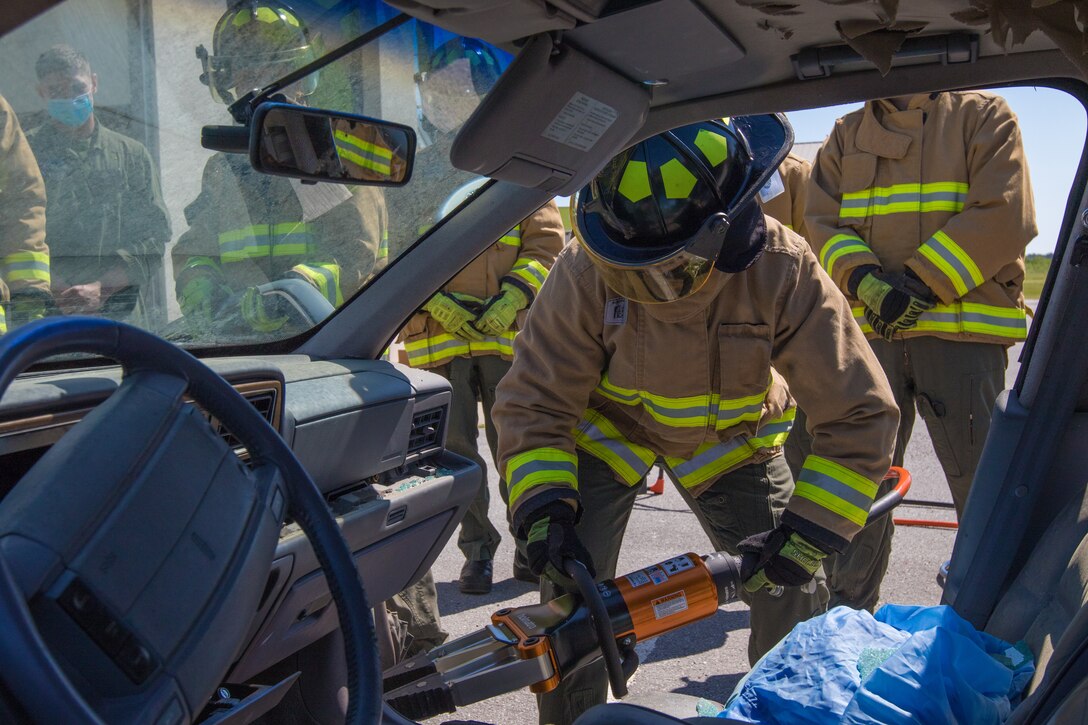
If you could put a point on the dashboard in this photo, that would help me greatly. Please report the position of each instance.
(371, 433)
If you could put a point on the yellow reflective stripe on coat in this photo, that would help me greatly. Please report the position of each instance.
(598, 436)
(326, 277)
(946, 196)
(530, 271)
(3, 320)
(512, 238)
(431, 351)
(540, 467)
(966, 318)
(696, 411)
(363, 153)
(383, 247)
(261, 240)
(836, 488)
(953, 261)
(713, 459)
(838, 246)
(25, 266)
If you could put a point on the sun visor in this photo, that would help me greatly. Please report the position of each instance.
(554, 118)
(496, 21)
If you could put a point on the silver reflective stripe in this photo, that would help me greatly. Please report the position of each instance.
(531, 467)
(531, 270)
(34, 265)
(947, 255)
(709, 456)
(836, 488)
(904, 198)
(628, 456)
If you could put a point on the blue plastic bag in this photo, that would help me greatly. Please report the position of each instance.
(905, 665)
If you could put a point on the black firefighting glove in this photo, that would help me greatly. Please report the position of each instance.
(551, 540)
(779, 557)
(892, 302)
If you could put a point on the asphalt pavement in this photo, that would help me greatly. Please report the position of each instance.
(708, 658)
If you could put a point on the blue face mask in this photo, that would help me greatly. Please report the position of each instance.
(72, 112)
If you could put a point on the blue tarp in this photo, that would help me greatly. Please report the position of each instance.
(903, 665)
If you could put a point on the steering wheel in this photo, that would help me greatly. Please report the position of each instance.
(134, 554)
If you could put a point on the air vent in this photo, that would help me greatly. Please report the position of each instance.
(426, 430)
(265, 403)
(396, 516)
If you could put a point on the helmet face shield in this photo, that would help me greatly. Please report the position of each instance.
(231, 77)
(676, 274)
(655, 218)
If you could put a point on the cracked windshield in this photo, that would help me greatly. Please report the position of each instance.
(121, 213)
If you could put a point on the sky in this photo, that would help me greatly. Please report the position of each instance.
(1052, 124)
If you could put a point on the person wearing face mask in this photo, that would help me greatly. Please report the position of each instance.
(24, 256)
(106, 223)
(674, 253)
(465, 332)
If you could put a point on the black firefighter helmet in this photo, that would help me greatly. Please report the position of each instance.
(655, 219)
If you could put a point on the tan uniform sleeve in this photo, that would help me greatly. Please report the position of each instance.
(839, 249)
(542, 237)
(998, 217)
(24, 256)
(558, 359)
(796, 180)
(851, 411)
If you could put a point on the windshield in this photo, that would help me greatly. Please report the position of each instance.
(133, 220)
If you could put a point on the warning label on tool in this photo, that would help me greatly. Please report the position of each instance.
(581, 123)
(669, 604)
(638, 579)
(657, 575)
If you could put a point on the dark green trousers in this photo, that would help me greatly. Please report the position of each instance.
(473, 380)
(953, 385)
(740, 503)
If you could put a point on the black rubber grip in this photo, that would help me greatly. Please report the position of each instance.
(401, 679)
(425, 704)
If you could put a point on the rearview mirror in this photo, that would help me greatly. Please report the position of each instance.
(318, 145)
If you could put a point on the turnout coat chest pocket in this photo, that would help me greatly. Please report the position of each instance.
(744, 377)
(856, 204)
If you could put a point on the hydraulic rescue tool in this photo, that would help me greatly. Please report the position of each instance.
(536, 646)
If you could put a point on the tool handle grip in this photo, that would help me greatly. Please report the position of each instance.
(602, 625)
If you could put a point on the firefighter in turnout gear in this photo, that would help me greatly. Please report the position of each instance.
(24, 256)
(466, 331)
(920, 209)
(245, 228)
(674, 254)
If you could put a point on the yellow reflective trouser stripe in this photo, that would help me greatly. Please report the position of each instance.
(953, 261)
(3, 320)
(836, 488)
(198, 262)
(713, 459)
(512, 238)
(696, 411)
(838, 246)
(966, 317)
(383, 246)
(530, 271)
(440, 348)
(598, 436)
(540, 467)
(26, 266)
(326, 277)
(368, 155)
(260, 240)
(947, 196)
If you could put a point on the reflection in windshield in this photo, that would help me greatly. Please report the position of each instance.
(143, 225)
